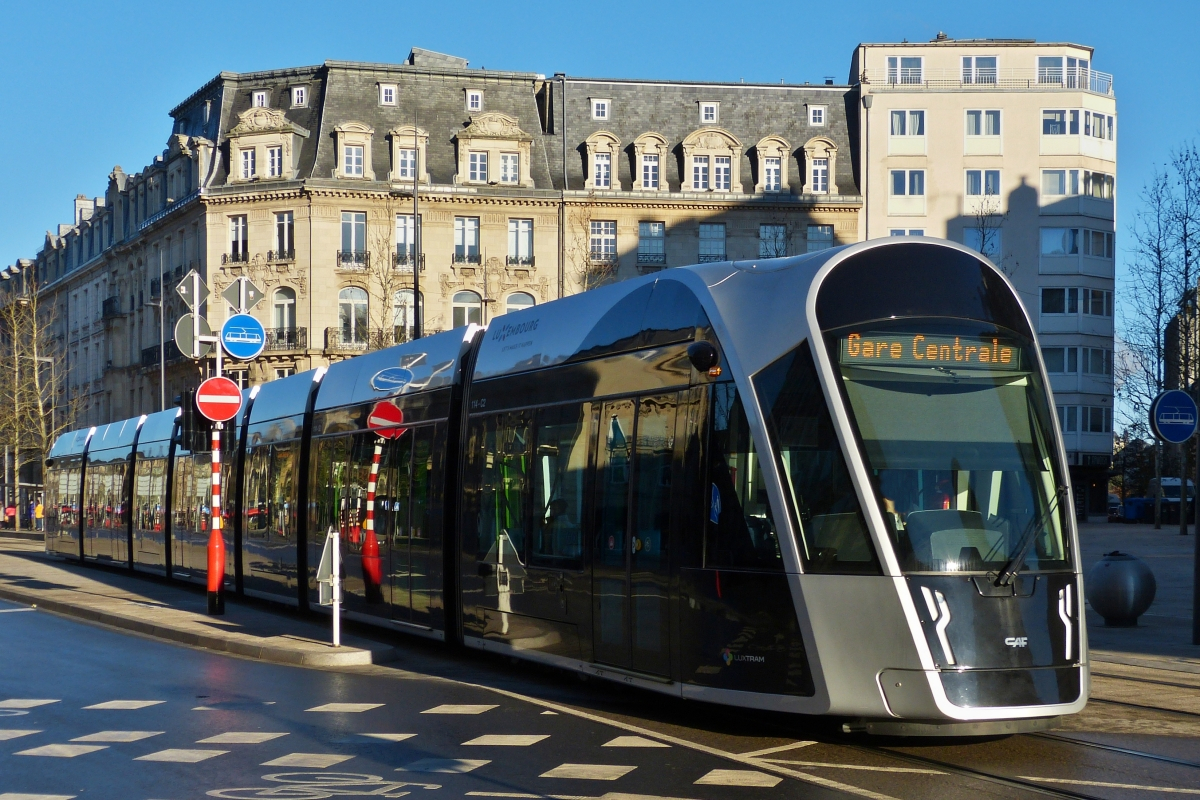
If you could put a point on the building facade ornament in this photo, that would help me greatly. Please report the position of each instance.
(495, 138)
(711, 143)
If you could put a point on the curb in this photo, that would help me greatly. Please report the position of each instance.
(281, 655)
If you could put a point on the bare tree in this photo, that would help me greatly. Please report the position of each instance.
(389, 271)
(1185, 226)
(987, 223)
(586, 262)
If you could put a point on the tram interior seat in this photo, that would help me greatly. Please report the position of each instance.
(940, 535)
(839, 537)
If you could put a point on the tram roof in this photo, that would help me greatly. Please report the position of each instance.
(115, 435)
(285, 397)
(70, 443)
(158, 426)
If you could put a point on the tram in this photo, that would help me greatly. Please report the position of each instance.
(829, 484)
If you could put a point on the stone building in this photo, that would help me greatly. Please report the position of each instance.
(527, 188)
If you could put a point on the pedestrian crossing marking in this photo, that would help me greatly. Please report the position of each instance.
(182, 756)
(20, 703)
(549, 713)
(241, 737)
(124, 705)
(452, 708)
(739, 777)
(452, 765)
(589, 772)
(633, 741)
(23, 796)
(14, 733)
(346, 708)
(507, 740)
(317, 760)
(63, 750)
(389, 737)
(117, 736)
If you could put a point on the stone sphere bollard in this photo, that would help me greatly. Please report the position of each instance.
(1120, 588)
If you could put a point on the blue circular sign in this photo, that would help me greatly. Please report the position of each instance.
(1173, 416)
(243, 337)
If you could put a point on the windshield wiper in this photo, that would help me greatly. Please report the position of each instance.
(1013, 567)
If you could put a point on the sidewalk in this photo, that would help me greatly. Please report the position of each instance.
(176, 613)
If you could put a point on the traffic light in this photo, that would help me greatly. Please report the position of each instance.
(195, 432)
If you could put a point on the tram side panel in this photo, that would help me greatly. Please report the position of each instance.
(270, 513)
(64, 483)
(107, 479)
(191, 507)
(150, 506)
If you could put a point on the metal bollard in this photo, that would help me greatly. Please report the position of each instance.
(1120, 588)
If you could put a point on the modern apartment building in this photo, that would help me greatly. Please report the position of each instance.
(1009, 147)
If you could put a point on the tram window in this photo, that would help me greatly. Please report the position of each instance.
(560, 467)
(740, 529)
(499, 466)
(833, 534)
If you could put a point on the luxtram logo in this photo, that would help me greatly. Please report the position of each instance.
(505, 331)
(1017, 641)
(728, 657)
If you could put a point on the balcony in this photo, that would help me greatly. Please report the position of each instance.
(338, 340)
(601, 259)
(280, 256)
(710, 258)
(111, 308)
(236, 257)
(1013, 78)
(518, 261)
(150, 355)
(467, 258)
(353, 259)
(280, 339)
(403, 260)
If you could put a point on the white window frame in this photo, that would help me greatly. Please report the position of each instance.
(651, 176)
(602, 170)
(510, 168)
(701, 177)
(983, 182)
(722, 173)
(387, 94)
(819, 237)
(260, 98)
(474, 101)
(772, 174)
(524, 300)
(1068, 237)
(1072, 183)
(818, 173)
(817, 115)
(971, 74)
(406, 163)
(909, 114)
(275, 161)
(354, 160)
(299, 97)
(520, 241)
(602, 244)
(466, 239)
(708, 249)
(715, 108)
(477, 166)
(601, 109)
(406, 238)
(973, 238)
(248, 158)
(908, 183)
(239, 236)
(896, 70)
(285, 232)
(983, 117)
(768, 246)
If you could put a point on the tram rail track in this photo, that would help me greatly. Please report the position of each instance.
(1115, 749)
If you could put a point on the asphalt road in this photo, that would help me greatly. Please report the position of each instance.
(89, 712)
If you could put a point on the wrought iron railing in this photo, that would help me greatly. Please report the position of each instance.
(286, 339)
(150, 355)
(602, 259)
(236, 257)
(403, 261)
(1088, 80)
(353, 259)
(519, 261)
(111, 308)
(339, 340)
(281, 255)
(707, 258)
(659, 259)
(466, 258)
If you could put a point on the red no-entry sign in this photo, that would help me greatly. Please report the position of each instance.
(218, 399)
(385, 419)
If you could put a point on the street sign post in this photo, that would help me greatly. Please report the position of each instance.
(193, 290)
(1173, 416)
(242, 294)
(218, 399)
(243, 337)
(189, 344)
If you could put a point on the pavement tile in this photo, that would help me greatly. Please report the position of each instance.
(589, 772)
(458, 709)
(117, 736)
(317, 760)
(453, 765)
(62, 750)
(506, 740)
(182, 756)
(241, 737)
(739, 777)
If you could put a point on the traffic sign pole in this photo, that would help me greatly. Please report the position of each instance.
(372, 565)
(216, 536)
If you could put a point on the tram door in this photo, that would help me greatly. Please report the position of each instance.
(630, 565)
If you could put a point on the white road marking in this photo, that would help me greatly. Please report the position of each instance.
(633, 741)
(826, 764)
(240, 737)
(779, 749)
(523, 796)
(317, 760)
(14, 733)
(117, 736)
(506, 740)
(12, 611)
(21, 796)
(182, 756)
(18, 703)
(1105, 785)
(389, 737)
(588, 772)
(739, 777)
(453, 765)
(346, 708)
(124, 705)
(549, 713)
(458, 709)
(62, 750)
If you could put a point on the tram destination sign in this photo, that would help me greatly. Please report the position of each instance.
(928, 350)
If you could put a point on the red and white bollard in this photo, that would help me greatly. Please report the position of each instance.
(372, 564)
(216, 539)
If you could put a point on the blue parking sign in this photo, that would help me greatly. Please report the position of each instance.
(1173, 416)
(243, 337)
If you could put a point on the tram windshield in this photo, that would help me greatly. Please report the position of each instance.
(955, 425)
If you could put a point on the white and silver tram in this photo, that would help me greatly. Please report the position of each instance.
(830, 484)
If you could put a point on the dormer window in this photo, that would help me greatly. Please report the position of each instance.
(816, 116)
(710, 113)
(354, 151)
(600, 109)
(493, 149)
(352, 165)
(299, 96)
(408, 154)
(773, 153)
(248, 163)
(713, 158)
(474, 101)
(258, 98)
(387, 94)
(267, 132)
(603, 149)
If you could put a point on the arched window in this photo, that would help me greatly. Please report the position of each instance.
(285, 309)
(468, 308)
(404, 317)
(518, 301)
(352, 315)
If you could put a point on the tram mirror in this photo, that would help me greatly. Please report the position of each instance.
(703, 356)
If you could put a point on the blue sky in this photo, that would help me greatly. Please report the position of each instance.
(91, 83)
